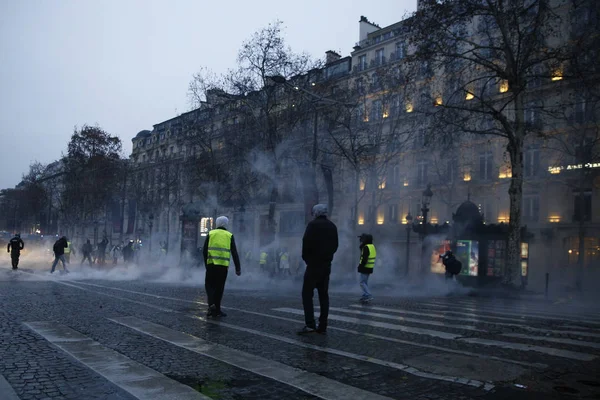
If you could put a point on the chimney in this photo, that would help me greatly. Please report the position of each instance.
(331, 56)
(365, 27)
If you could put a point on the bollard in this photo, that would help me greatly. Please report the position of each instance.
(547, 279)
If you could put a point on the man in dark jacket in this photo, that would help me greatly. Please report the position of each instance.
(219, 248)
(15, 245)
(453, 266)
(59, 253)
(366, 265)
(319, 244)
(87, 252)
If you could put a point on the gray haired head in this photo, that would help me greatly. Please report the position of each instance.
(319, 210)
(222, 222)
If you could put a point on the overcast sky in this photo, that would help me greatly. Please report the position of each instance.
(126, 64)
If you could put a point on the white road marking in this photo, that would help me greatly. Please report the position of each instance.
(402, 328)
(523, 315)
(480, 320)
(410, 370)
(7, 391)
(137, 379)
(594, 345)
(530, 309)
(396, 318)
(528, 347)
(308, 382)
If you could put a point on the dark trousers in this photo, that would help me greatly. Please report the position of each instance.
(214, 283)
(14, 258)
(316, 278)
(87, 256)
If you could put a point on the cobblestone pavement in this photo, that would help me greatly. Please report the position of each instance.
(425, 347)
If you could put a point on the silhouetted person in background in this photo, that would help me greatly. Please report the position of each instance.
(128, 252)
(102, 251)
(59, 253)
(15, 245)
(87, 249)
(319, 244)
(453, 266)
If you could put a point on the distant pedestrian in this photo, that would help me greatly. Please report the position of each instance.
(68, 250)
(87, 249)
(319, 244)
(452, 265)
(115, 251)
(59, 253)
(128, 252)
(368, 255)
(264, 259)
(219, 248)
(15, 245)
(284, 263)
(102, 251)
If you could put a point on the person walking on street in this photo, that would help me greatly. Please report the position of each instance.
(59, 253)
(68, 250)
(102, 251)
(453, 266)
(87, 249)
(128, 252)
(319, 244)
(368, 255)
(219, 248)
(264, 258)
(15, 245)
(284, 263)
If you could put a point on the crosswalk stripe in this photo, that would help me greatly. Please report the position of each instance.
(480, 319)
(528, 347)
(409, 329)
(136, 379)
(308, 382)
(396, 318)
(518, 314)
(581, 343)
(530, 309)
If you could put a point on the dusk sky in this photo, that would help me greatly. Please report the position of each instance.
(126, 64)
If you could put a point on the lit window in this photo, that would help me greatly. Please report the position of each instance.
(503, 86)
(557, 75)
(467, 176)
(469, 96)
(554, 219)
(409, 107)
(438, 101)
(362, 184)
(381, 184)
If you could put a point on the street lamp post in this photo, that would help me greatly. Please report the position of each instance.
(150, 224)
(425, 202)
(409, 227)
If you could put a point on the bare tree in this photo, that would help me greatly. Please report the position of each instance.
(477, 59)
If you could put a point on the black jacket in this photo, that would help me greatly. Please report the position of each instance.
(59, 247)
(15, 245)
(234, 253)
(319, 243)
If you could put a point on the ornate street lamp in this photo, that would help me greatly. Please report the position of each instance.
(409, 226)
(425, 202)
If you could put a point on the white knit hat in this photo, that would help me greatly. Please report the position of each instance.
(222, 221)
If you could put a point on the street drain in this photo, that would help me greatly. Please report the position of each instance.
(589, 383)
(566, 390)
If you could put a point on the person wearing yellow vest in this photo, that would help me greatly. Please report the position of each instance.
(368, 254)
(68, 250)
(219, 248)
(264, 257)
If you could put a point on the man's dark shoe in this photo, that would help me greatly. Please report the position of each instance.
(220, 314)
(306, 330)
(322, 330)
(212, 311)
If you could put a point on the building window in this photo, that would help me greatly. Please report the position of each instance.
(393, 213)
(531, 208)
(400, 51)
(450, 170)
(379, 57)
(485, 165)
(582, 205)
(376, 110)
(531, 162)
(395, 176)
(375, 82)
(419, 140)
(362, 62)
(422, 172)
(371, 214)
(532, 114)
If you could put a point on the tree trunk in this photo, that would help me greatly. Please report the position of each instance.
(512, 276)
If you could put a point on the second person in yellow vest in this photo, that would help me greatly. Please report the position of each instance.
(218, 249)
(368, 254)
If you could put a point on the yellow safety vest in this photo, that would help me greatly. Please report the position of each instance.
(372, 255)
(263, 258)
(68, 248)
(284, 256)
(219, 247)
